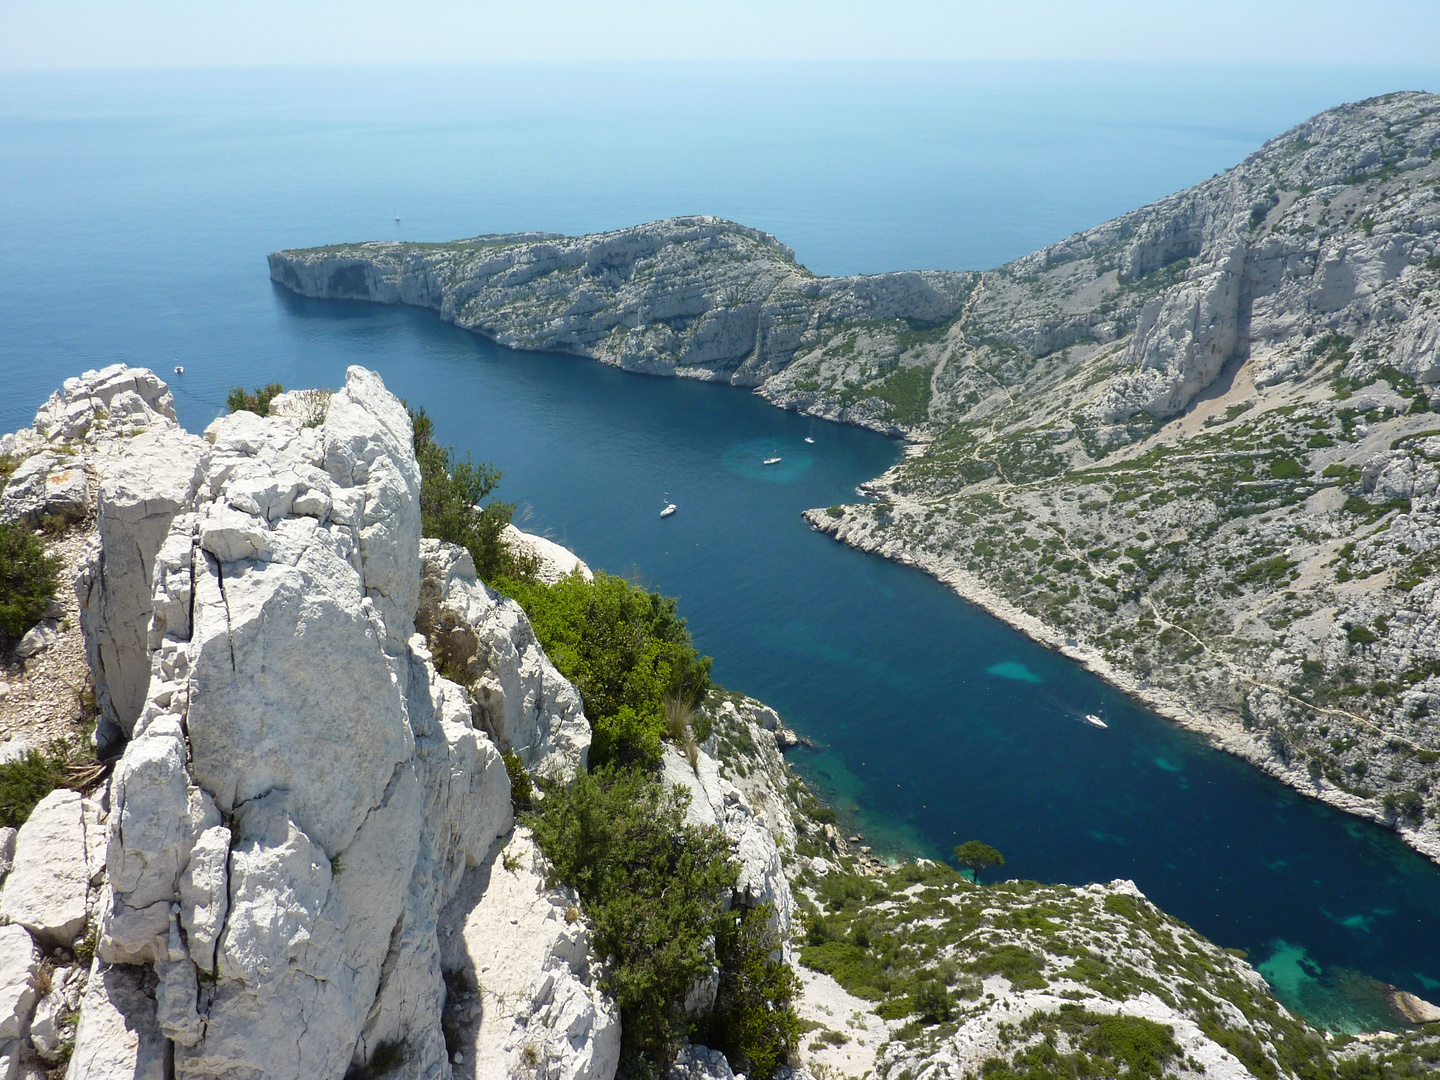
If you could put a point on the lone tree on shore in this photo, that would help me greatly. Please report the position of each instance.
(977, 856)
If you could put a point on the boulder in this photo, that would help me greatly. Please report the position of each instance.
(46, 485)
(46, 890)
(118, 1037)
(523, 700)
(19, 963)
(555, 561)
(701, 1063)
(142, 489)
(38, 638)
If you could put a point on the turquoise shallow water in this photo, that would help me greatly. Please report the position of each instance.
(137, 213)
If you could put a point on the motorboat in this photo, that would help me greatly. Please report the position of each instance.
(179, 369)
(670, 508)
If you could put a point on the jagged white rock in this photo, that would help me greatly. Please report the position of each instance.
(288, 834)
(46, 890)
(19, 963)
(522, 952)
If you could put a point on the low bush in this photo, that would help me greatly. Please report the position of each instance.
(258, 402)
(451, 494)
(653, 888)
(754, 1021)
(28, 580)
(24, 781)
(626, 650)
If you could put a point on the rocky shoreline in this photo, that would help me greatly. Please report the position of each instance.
(1173, 707)
(1198, 439)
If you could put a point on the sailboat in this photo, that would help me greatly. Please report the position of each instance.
(670, 508)
(775, 459)
(1091, 718)
(397, 217)
(809, 435)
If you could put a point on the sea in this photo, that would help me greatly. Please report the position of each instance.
(136, 210)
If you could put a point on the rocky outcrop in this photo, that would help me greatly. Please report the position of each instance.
(277, 842)
(693, 296)
(518, 955)
(46, 892)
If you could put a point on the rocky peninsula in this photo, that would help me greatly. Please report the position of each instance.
(1192, 447)
(296, 853)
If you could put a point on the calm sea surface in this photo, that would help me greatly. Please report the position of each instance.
(136, 211)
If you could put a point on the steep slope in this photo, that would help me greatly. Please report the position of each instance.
(1191, 446)
(696, 297)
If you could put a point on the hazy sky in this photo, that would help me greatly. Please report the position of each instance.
(164, 33)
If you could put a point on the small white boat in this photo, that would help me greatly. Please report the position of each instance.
(809, 439)
(179, 369)
(397, 217)
(670, 508)
(772, 461)
(1091, 718)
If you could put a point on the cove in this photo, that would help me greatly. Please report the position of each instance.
(936, 722)
(139, 210)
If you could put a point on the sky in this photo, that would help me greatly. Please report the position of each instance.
(62, 34)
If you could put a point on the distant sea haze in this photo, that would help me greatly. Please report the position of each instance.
(138, 211)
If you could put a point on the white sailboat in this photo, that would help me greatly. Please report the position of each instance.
(1096, 721)
(670, 508)
(775, 458)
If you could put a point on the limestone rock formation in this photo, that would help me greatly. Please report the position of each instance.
(1212, 413)
(519, 956)
(277, 841)
(47, 889)
(693, 296)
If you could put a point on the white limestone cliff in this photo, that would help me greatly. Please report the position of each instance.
(309, 831)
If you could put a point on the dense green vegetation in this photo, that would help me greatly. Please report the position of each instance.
(27, 582)
(628, 653)
(451, 493)
(753, 1022)
(655, 890)
(257, 401)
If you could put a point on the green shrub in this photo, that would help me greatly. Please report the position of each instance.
(27, 582)
(451, 491)
(652, 886)
(522, 792)
(626, 650)
(24, 781)
(754, 1021)
(237, 400)
(1286, 468)
(931, 1001)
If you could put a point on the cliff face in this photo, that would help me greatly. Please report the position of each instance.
(300, 794)
(696, 296)
(1193, 446)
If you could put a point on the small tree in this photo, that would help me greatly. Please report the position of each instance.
(976, 857)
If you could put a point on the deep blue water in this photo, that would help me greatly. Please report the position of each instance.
(137, 210)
